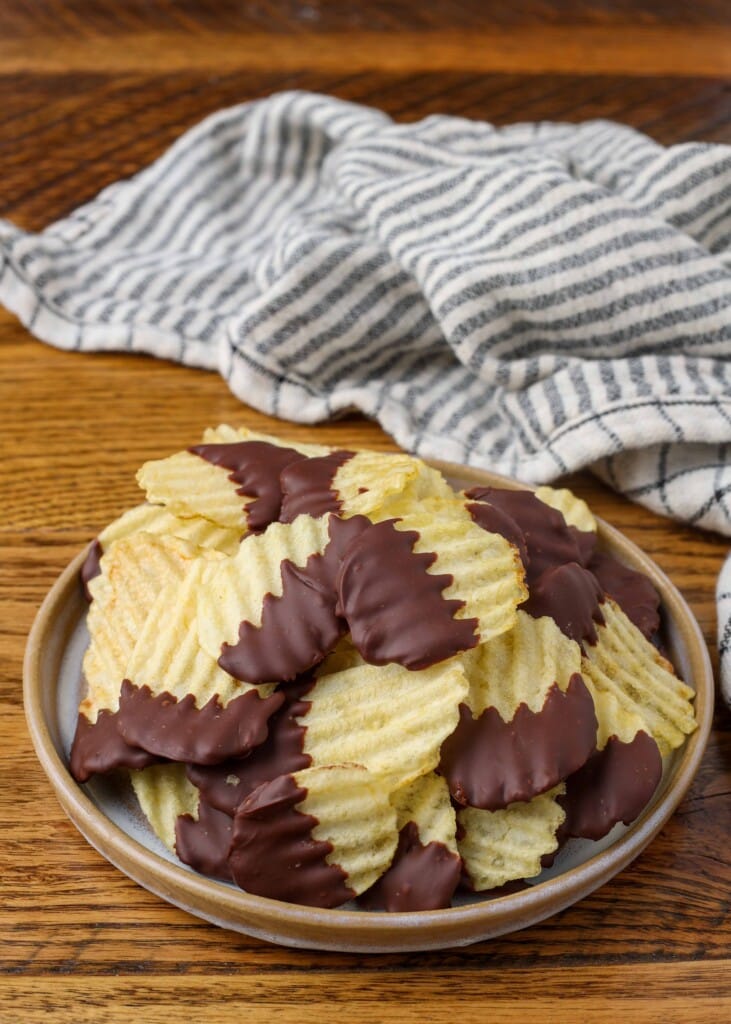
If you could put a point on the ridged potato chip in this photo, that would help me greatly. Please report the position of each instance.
(505, 845)
(529, 721)
(487, 574)
(176, 701)
(574, 509)
(188, 485)
(354, 815)
(196, 833)
(426, 802)
(233, 592)
(419, 589)
(318, 837)
(382, 486)
(158, 520)
(389, 719)
(627, 665)
(164, 793)
(519, 666)
(133, 572)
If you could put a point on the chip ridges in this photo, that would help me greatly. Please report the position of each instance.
(426, 802)
(156, 519)
(133, 571)
(520, 666)
(487, 574)
(389, 719)
(354, 815)
(233, 592)
(505, 845)
(628, 666)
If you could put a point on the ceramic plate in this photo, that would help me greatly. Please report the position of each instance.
(107, 815)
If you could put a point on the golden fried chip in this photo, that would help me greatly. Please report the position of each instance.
(613, 718)
(427, 803)
(133, 572)
(168, 657)
(233, 592)
(625, 664)
(501, 846)
(520, 666)
(486, 570)
(225, 434)
(574, 509)
(381, 485)
(164, 793)
(188, 485)
(353, 814)
(389, 719)
(158, 520)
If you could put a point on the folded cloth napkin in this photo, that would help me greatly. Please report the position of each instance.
(529, 299)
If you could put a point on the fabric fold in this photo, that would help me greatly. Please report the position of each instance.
(531, 299)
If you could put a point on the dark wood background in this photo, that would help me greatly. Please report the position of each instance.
(91, 92)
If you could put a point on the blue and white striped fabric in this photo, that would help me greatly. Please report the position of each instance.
(529, 299)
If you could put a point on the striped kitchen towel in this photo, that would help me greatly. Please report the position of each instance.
(530, 299)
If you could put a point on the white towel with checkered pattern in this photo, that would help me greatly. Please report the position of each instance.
(529, 299)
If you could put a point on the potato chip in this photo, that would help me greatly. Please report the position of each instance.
(426, 868)
(188, 484)
(381, 486)
(317, 837)
(233, 592)
(133, 571)
(421, 588)
(574, 509)
(505, 845)
(426, 802)
(225, 434)
(389, 719)
(627, 665)
(192, 830)
(519, 666)
(164, 793)
(486, 572)
(155, 519)
(530, 719)
(176, 701)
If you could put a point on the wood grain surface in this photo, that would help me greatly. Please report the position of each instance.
(91, 92)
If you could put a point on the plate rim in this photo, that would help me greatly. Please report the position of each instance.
(362, 931)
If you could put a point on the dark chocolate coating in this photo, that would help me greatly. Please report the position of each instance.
(204, 844)
(632, 590)
(274, 854)
(496, 520)
(548, 538)
(91, 567)
(571, 596)
(255, 466)
(307, 486)
(490, 763)
(178, 730)
(302, 625)
(99, 747)
(419, 878)
(226, 785)
(394, 607)
(614, 785)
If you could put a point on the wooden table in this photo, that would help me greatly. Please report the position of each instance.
(90, 91)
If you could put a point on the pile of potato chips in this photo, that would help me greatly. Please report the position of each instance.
(408, 621)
